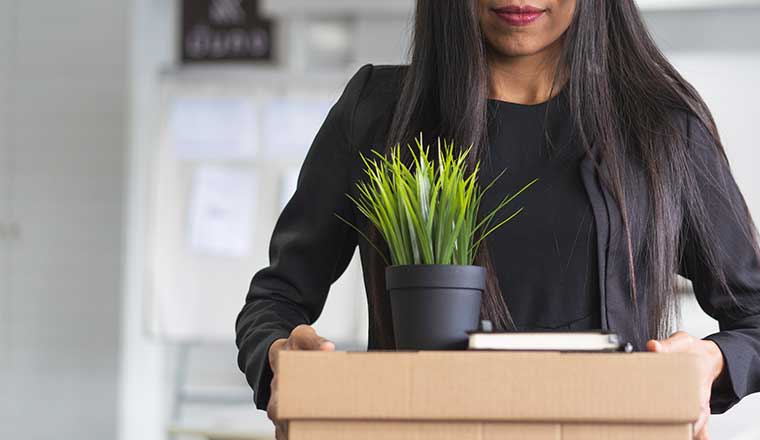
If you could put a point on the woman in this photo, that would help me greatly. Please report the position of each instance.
(635, 189)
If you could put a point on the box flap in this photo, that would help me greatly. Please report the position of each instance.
(499, 386)
(443, 430)
(416, 430)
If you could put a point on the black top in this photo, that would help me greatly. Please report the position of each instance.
(310, 248)
(545, 258)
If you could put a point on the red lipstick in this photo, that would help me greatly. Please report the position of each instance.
(519, 15)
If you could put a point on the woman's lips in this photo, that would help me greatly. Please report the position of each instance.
(519, 15)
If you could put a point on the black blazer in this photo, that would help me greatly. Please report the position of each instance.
(310, 248)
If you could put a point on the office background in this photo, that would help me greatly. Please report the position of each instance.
(117, 288)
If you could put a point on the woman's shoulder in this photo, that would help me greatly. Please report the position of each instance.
(697, 132)
(376, 84)
(385, 79)
(369, 100)
(704, 151)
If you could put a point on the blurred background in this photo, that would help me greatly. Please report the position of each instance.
(146, 149)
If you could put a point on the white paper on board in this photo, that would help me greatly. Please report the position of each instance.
(290, 125)
(221, 211)
(213, 128)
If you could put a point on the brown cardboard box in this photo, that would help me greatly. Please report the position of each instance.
(482, 395)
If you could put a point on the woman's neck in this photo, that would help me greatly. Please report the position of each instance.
(524, 79)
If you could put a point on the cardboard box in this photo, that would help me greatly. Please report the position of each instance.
(483, 395)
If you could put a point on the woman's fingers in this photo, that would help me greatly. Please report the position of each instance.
(700, 427)
(654, 346)
(678, 341)
(272, 405)
(280, 431)
(711, 365)
(304, 337)
(276, 346)
(271, 410)
(326, 345)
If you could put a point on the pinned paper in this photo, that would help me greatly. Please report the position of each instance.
(221, 211)
(213, 128)
(290, 125)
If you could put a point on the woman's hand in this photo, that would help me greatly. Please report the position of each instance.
(710, 365)
(302, 337)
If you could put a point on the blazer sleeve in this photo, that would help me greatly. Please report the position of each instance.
(737, 311)
(309, 248)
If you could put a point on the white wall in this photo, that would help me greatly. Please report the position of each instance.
(5, 55)
(145, 380)
(63, 114)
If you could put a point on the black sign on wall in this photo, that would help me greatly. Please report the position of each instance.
(224, 30)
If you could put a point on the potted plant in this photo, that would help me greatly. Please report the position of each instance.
(428, 214)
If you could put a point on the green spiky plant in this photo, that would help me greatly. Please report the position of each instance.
(427, 214)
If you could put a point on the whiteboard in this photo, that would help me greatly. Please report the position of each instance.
(249, 131)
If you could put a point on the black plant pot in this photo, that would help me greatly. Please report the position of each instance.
(434, 305)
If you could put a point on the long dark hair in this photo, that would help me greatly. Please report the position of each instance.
(624, 96)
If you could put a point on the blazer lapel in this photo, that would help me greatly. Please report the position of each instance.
(618, 312)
